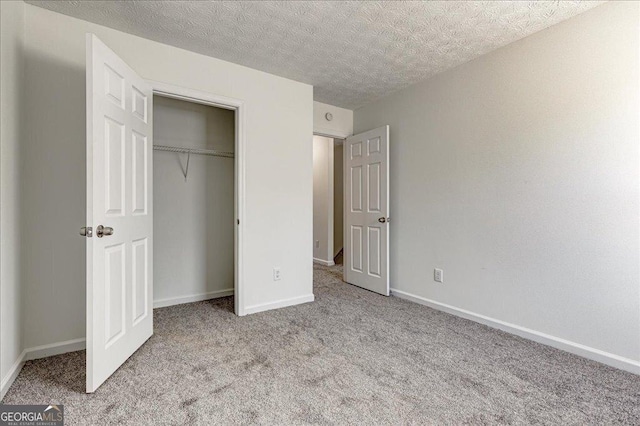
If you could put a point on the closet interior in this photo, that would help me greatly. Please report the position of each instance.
(193, 199)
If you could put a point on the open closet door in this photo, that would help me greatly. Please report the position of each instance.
(119, 212)
(366, 210)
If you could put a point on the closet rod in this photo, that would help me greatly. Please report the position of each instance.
(198, 151)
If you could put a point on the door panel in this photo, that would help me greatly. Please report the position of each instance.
(367, 210)
(356, 248)
(114, 281)
(140, 280)
(375, 266)
(114, 167)
(140, 161)
(356, 189)
(119, 196)
(374, 187)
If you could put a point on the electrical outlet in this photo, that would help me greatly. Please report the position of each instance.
(276, 274)
(438, 275)
(317, 243)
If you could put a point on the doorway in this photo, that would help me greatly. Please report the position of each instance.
(193, 186)
(199, 99)
(363, 176)
(328, 193)
(366, 218)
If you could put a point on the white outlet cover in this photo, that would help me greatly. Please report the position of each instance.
(438, 275)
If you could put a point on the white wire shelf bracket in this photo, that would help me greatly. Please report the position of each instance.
(198, 151)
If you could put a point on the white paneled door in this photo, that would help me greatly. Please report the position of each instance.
(366, 167)
(119, 211)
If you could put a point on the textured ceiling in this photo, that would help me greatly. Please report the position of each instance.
(351, 52)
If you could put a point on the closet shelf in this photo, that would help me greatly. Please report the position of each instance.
(198, 151)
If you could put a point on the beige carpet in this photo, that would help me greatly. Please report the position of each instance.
(352, 357)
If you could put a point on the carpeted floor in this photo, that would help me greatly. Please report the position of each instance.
(351, 357)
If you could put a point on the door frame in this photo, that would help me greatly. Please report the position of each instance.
(338, 139)
(206, 98)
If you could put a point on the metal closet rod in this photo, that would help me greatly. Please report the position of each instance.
(198, 151)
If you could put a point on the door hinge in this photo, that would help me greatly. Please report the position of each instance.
(238, 221)
(86, 231)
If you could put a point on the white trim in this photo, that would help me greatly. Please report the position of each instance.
(330, 133)
(279, 304)
(53, 349)
(598, 355)
(323, 262)
(11, 375)
(73, 345)
(330, 198)
(170, 301)
(198, 96)
(38, 352)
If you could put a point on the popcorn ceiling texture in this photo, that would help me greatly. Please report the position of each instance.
(351, 52)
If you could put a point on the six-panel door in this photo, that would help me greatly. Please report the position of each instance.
(367, 210)
(119, 197)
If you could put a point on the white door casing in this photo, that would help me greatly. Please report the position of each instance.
(366, 210)
(119, 196)
(237, 105)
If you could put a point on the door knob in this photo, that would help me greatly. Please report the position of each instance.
(86, 231)
(382, 219)
(103, 231)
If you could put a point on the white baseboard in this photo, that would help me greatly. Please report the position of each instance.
(170, 301)
(279, 304)
(38, 352)
(11, 375)
(323, 262)
(73, 345)
(53, 349)
(598, 355)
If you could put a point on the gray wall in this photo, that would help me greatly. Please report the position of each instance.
(278, 202)
(11, 96)
(341, 124)
(517, 173)
(193, 219)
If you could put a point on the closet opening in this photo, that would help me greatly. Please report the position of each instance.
(195, 199)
